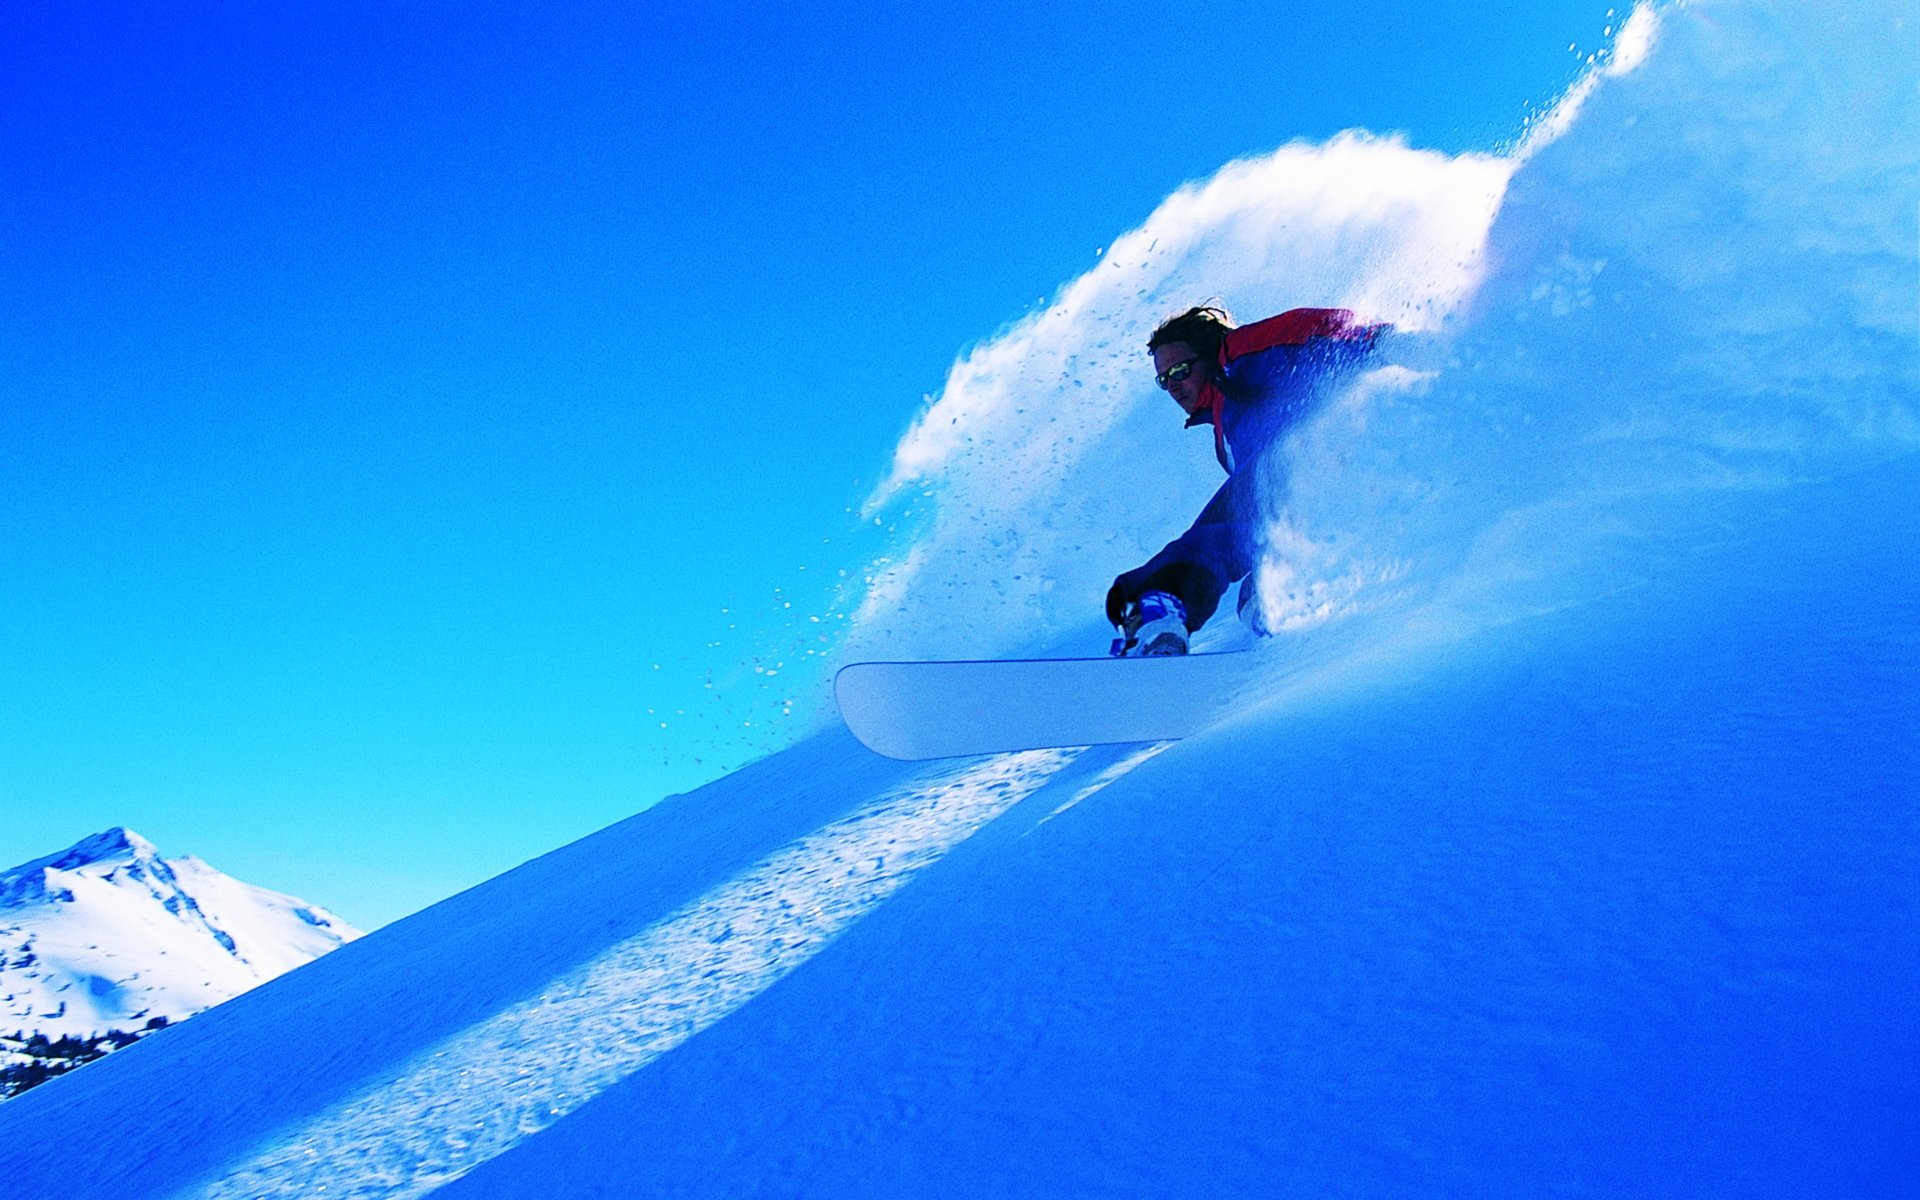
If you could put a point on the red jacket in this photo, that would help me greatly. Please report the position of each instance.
(1260, 362)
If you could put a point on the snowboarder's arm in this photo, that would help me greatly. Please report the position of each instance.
(1201, 563)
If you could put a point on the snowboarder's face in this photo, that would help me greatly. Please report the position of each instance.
(1183, 373)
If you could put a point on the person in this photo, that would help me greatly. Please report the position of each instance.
(1251, 383)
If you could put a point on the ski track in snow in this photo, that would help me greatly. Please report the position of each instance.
(478, 1094)
(1108, 776)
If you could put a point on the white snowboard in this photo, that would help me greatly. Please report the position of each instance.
(917, 710)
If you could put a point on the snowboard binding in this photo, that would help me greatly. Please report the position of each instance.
(1153, 626)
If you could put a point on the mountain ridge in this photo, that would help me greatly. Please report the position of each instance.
(108, 935)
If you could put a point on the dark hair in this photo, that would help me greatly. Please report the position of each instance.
(1203, 327)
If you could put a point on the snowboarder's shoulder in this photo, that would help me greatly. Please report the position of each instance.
(1298, 327)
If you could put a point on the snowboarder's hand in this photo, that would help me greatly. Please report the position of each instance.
(1125, 590)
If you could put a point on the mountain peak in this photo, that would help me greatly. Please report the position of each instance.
(116, 843)
(107, 935)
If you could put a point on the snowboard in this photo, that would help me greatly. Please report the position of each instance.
(921, 710)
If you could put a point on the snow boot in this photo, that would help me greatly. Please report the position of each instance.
(1155, 625)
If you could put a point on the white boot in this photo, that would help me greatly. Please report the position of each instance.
(1156, 625)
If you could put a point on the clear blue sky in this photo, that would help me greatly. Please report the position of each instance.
(407, 411)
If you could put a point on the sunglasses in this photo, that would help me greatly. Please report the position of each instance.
(1175, 373)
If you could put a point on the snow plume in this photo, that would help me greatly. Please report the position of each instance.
(1701, 289)
(1696, 274)
(1053, 460)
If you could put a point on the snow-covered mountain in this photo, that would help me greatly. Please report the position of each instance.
(1569, 844)
(108, 935)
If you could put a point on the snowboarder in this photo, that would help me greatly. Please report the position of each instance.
(1251, 383)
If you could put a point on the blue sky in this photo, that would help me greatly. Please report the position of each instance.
(421, 424)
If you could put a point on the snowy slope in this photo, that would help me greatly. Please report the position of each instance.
(108, 935)
(1569, 846)
(1617, 900)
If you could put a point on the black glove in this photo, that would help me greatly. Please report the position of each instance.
(1126, 589)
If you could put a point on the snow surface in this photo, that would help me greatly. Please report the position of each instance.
(108, 935)
(1570, 847)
